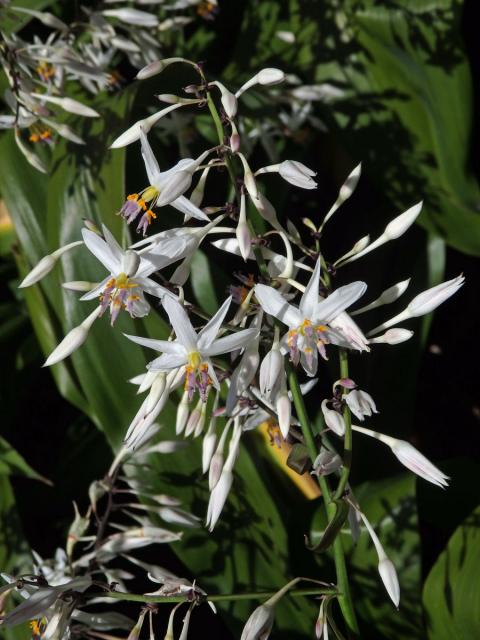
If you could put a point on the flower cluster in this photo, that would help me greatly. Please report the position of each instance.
(289, 317)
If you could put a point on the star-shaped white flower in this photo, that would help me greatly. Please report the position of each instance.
(194, 351)
(128, 279)
(310, 323)
(166, 187)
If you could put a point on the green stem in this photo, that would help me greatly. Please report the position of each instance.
(140, 597)
(348, 439)
(344, 597)
(231, 172)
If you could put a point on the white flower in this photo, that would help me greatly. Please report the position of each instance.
(133, 16)
(193, 352)
(132, 134)
(165, 187)
(360, 403)
(259, 624)
(309, 329)
(128, 275)
(294, 172)
(68, 104)
(73, 340)
(265, 77)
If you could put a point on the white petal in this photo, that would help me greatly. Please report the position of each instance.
(208, 334)
(101, 251)
(338, 301)
(184, 205)
(151, 164)
(166, 362)
(309, 299)
(113, 245)
(163, 346)
(181, 323)
(230, 343)
(275, 304)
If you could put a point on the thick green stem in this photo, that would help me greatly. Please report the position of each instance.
(344, 597)
(262, 595)
(347, 442)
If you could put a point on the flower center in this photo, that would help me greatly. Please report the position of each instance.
(119, 293)
(196, 376)
(306, 339)
(137, 202)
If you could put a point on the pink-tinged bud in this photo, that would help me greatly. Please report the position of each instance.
(360, 403)
(346, 383)
(326, 463)
(228, 100)
(283, 407)
(321, 622)
(259, 625)
(333, 420)
(409, 456)
(73, 340)
(46, 264)
(393, 336)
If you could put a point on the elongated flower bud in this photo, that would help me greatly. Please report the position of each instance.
(260, 622)
(386, 568)
(183, 411)
(409, 456)
(248, 178)
(73, 340)
(228, 100)
(153, 68)
(283, 407)
(393, 230)
(242, 231)
(133, 16)
(386, 297)
(132, 134)
(46, 264)
(45, 17)
(425, 302)
(393, 336)
(333, 420)
(69, 104)
(346, 190)
(268, 76)
(270, 370)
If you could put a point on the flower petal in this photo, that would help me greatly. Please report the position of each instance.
(328, 309)
(309, 300)
(181, 323)
(230, 343)
(166, 362)
(184, 205)
(164, 346)
(113, 245)
(151, 164)
(101, 251)
(275, 304)
(209, 332)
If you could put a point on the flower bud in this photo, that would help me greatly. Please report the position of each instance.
(69, 104)
(242, 231)
(333, 420)
(193, 419)
(393, 336)
(283, 408)
(183, 411)
(298, 174)
(73, 340)
(401, 223)
(132, 17)
(248, 178)
(270, 371)
(234, 138)
(270, 76)
(259, 624)
(132, 134)
(153, 68)
(45, 17)
(228, 100)
(135, 632)
(46, 264)
(79, 285)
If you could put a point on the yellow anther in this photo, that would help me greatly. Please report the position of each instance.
(34, 137)
(151, 216)
(133, 196)
(141, 203)
(321, 327)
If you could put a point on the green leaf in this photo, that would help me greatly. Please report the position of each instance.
(202, 283)
(452, 590)
(333, 528)
(12, 463)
